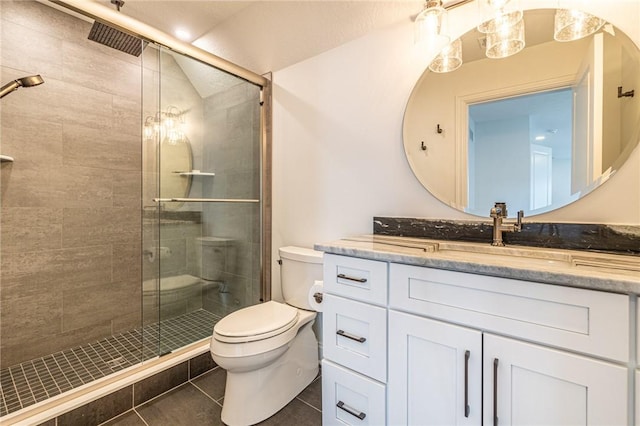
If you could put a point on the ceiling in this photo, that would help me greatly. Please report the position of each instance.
(268, 35)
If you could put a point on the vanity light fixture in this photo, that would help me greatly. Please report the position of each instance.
(498, 14)
(167, 125)
(449, 59)
(506, 41)
(572, 24)
(429, 25)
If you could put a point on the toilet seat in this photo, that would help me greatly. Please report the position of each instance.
(256, 322)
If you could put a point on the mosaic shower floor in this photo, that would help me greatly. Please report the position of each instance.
(33, 381)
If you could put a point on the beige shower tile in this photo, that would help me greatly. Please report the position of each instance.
(83, 226)
(127, 260)
(31, 51)
(91, 147)
(127, 115)
(81, 186)
(88, 66)
(127, 189)
(27, 184)
(24, 229)
(127, 322)
(31, 185)
(29, 137)
(31, 273)
(43, 320)
(86, 107)
(44, 19)
(98, 303)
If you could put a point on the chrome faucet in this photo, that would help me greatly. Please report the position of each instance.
(499, 213)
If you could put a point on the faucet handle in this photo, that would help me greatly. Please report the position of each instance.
(519, 220)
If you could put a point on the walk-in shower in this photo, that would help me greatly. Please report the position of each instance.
(132, 216)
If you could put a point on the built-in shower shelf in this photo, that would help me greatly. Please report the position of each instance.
(195, 173)
(6, 159)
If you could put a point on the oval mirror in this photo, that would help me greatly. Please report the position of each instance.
(175, 164)
(537, 130)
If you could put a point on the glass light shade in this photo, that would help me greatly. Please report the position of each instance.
(429, 25)
(572, 25)
(449, 59)
(507, 41)
(496, 14)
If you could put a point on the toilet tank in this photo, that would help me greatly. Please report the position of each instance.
(301, 267)
(215, 257)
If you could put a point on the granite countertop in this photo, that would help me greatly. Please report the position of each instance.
(596, 271)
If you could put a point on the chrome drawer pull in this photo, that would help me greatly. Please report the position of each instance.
(341, 405)
(346, 277)
(351, 336)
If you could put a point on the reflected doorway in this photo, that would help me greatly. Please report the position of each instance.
(521, 142)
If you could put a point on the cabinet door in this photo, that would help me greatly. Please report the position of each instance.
(526, 384)
(434, 372)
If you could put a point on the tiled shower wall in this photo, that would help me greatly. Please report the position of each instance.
(232, 121)
(70, 218)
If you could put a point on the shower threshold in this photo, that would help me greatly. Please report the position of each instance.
(37, 380)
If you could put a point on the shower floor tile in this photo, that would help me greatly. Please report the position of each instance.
(39, 379)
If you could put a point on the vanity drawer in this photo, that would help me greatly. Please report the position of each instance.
(355, 278)
(587, 321)
(354, 334)
(350, 398)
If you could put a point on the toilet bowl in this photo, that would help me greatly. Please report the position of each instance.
(269, 350)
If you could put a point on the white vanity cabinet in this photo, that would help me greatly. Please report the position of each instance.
(354, 330)
(515, 382)
(412, 345)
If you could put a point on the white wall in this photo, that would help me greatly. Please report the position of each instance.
(338, 157)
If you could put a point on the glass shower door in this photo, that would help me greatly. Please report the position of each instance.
(203, 235)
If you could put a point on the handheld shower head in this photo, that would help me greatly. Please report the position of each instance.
(29, 81)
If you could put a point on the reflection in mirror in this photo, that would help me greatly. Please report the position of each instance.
(537, 130)
(536, 168)
(175, 159)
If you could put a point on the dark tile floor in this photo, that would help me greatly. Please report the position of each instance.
(199, 402)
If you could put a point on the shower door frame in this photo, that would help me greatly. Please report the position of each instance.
(129, 25)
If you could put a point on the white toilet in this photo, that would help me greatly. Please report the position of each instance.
(269, 350)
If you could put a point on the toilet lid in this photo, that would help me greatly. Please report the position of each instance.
(256, 322)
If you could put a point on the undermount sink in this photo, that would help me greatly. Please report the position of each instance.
(505, 255)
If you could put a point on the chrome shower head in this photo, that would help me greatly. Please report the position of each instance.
(30, 81)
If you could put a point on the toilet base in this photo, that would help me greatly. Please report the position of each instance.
(253, 396)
